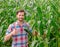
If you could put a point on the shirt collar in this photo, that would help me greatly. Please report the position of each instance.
(24, 22)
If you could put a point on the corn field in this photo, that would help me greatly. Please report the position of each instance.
(42, 15)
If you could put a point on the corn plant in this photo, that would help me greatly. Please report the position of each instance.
(42, 15)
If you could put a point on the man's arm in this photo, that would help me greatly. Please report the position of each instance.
(7, 37)
(10, 32)
(34, 33)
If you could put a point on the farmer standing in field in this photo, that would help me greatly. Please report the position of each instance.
(17, 32)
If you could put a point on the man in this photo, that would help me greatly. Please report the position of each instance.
(17, 32)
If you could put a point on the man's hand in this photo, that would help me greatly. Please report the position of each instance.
(35, 33)
(14, 32)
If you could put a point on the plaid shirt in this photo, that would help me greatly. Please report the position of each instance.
(21, 38)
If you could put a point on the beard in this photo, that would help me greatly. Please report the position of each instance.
(21, 19)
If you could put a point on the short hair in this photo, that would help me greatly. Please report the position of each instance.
(20, 11)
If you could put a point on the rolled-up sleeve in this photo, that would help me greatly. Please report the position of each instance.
(30, 29)
(9, 29)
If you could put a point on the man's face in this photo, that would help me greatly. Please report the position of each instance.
(20, 16)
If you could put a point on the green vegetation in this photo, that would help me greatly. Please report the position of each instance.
(43, 16)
